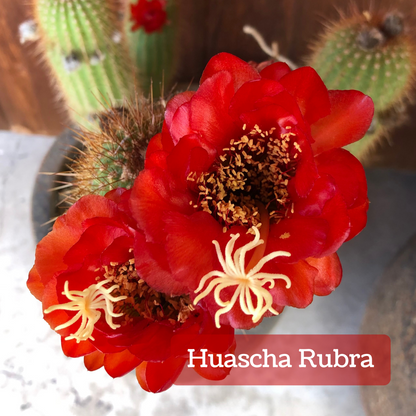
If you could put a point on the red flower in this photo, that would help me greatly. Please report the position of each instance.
(85, 277)
(149, 14)
(247, 195)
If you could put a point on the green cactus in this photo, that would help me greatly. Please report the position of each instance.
(372, 54)
(154, 53)
(113, 155)
(85, 51)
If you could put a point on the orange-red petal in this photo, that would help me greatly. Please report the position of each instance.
(94, 361)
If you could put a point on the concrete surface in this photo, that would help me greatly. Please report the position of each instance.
(37, 379)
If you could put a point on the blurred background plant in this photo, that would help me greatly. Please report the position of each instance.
(88, 48)
(374, 53)
(151, 32)
(114, 46)
(85, 52)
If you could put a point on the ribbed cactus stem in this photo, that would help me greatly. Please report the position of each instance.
(154, 53)
(372, 54)
(382, 73)
(113, 155)
(85, 50)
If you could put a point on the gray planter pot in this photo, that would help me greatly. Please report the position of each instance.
(45, 202)
(392, 311)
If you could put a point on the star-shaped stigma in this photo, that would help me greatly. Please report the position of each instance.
(248, 284)
(87, 303)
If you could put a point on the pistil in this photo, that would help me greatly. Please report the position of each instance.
(249, 284)
(87, 304)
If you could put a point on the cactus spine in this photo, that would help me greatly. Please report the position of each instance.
(154, 53)
(84, 49)
(372, 54)
(113, 155)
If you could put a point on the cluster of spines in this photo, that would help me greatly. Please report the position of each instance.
(86, 52)
(113, 155)
(372, 53)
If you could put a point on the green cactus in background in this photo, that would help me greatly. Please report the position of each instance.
(151, 32)
(375, 55)
(86, 52)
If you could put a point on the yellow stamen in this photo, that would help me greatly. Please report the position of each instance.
(87, 303)
(248, 283)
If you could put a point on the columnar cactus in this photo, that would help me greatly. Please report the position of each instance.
(151, 31)
(86, 52)
(113, 155)
(373, 54)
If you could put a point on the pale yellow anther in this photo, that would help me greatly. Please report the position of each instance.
(86, 304)
(247, 284)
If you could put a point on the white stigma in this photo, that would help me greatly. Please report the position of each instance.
(248, 284)
(87, 303)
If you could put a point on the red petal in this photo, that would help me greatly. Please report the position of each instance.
(329, 274)
(73, 349)
(267, 117)
(175, 103)
(161, 142)
(217, 340)
(90, 206)
(347, 172)
(358, 218)
(67, 231)
(34, 284)
(154, 194)
(51, 250)
(312, 205)
(287, 102)
(156, 160)
(186, 337)
(120, 363)
(94, 361)
(181, 122)
(350, 118)
(57, 317)
(188, 156)
(189, 247)
(241, 71)
(305, 85)
(209, 372)
(92, 243)
(141, 376)
(209, 111)
(116, 195)
(300, 293)
(306, 171)
(102, 340)
(158, 377)
(118, 251)
(246, 97)
(275, 71)
(349, 177)
(301, 237)
(336, 213)
(152, 266)
(154, 343)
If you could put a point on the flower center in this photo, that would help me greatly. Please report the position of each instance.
(140, 300)
(128, 298)
(87, 304)
(248, 284)
(255, 168)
